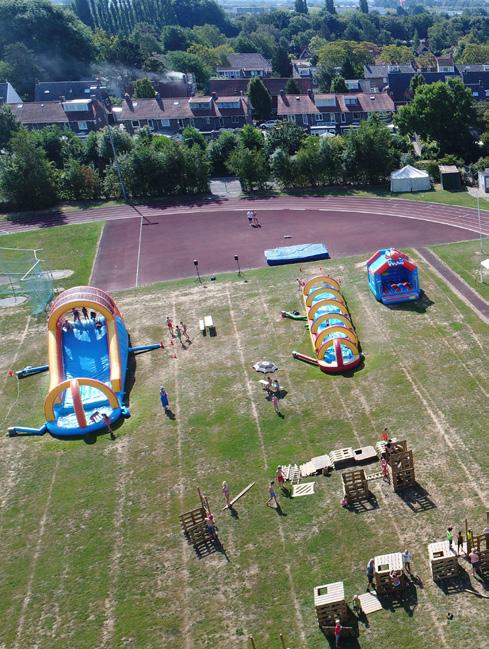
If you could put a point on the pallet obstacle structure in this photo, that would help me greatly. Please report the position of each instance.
(443, 561)
(355, 485)
(480, 542)
(384, 565)
(195, 524)
(330, 604)
(401, 465)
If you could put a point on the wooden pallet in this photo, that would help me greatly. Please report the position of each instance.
(330, 604)
(355, 486)
(443, 561)
(322, 462)
(291, 473)
(342, 455)
(365, 454)
(374, 476)
(191, 518)
(307, 469)
(370, 603)
(303, 489)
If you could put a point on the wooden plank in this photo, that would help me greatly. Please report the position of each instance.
(322, 462)
(208, 321)
(374, 476)
(329, 593)
(236, 498)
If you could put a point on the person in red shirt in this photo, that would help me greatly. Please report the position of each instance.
(337, 633)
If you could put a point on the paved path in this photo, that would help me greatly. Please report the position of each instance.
(461, 288)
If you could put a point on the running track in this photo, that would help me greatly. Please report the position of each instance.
(213, 230)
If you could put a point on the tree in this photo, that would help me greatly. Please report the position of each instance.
(291, 87)
(308, 163)
(251, 137)
(27, 179)
(474, 53)
(364, 6)
(338, 84)
(250, 166)
(260, 99)
(301, 6)
(143, 89)
(397, 54)
(175, 38)
(191, 136)
(331, 155)
(442, 112)
(59, 144)
(426, 61)
(187, 62)
(370, 154)
(282, 168)
(8, 125)
(416, 81)
(329, 6)
(286, 136)
(79, 182)
(281, 62)
(219, 151)
(23, 68)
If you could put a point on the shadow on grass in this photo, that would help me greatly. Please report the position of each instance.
(363, 505)
(421, 305)
(417, 498)
(349, 631)
(406, 598)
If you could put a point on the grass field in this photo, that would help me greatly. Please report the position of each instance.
(92, 554)
(67, 247)
(464, 258)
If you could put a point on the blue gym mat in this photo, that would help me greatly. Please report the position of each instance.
(295, 254)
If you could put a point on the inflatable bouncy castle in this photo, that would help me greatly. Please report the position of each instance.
(333, 336)
(392, 276)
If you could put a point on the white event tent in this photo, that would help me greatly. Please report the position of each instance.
(409, 179)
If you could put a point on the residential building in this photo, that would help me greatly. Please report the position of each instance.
(445, 64)
(171, 115)
(378, 75)
(175, 84)
(234, 87)
(476, 78)
(303, 69)
(66, 90)
(244, 66)
(336, 112)
(8, 94)
(79, 115)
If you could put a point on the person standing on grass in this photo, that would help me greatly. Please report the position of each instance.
(184, 331)
(450, 538)
(407, 557)
(370, 574)
(337, 633)
(279, 476)
(460, 542)
(225, 491)
(275, 404)
(272, 496)
(178, 333)
(384, 436)
(165, 402)
(169, 324)
(385, 470)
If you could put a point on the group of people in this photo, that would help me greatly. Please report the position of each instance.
(272, 388)
(470, 551)
(67, 326)
(178, 331)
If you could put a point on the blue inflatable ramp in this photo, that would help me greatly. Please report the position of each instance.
(295, 254)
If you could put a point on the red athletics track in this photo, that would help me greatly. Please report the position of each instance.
(213, 232)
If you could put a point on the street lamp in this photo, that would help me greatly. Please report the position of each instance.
(196, 264)
(236, 259)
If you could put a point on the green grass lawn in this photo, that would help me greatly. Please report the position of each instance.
(92, 552)
(436, 195)
(66, 247)
(464, 259)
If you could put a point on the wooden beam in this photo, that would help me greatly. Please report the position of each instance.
(252, 642)
(236, 498)
(282, 641)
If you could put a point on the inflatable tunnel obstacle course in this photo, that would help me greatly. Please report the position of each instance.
(87, 365)
(392, 276)
(333, 337)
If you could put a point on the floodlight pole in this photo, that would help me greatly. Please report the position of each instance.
(480, 235)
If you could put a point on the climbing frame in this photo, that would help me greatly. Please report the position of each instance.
(443, 561)
(194, 526)
(355, 485)
(401, 466)
(384, 564)
(330, 604)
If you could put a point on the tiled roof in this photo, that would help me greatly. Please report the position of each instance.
(303, 104)
(178, 108)
(53, 90)
(51, 112)
(273, 85)
(246, 62)
(377, 71)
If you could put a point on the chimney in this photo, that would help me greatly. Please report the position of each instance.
(241, 93)
(310, 94)
(62, 99)
(282, 93)
(158, 100)
(214, 96)
(128, 100)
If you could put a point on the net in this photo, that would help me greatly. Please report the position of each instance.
(23, 277)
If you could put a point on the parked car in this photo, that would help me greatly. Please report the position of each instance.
(270, 123)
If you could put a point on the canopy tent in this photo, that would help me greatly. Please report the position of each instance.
(410, 179)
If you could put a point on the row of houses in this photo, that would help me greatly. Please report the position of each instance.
(332, 112)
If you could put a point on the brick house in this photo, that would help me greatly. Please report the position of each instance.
(336, 112)
(79, 115)
(170, 115)
(244, 66)
(66, 90)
